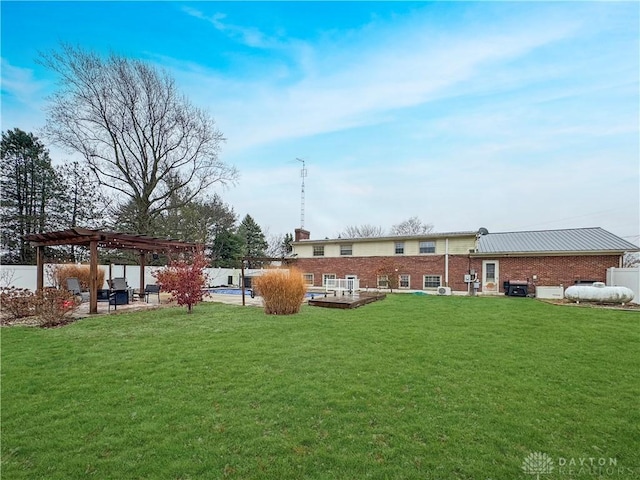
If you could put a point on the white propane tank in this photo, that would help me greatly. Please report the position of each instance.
(598, 292)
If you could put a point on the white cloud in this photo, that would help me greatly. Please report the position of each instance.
(358, 87)
(19, 83)
(249, 36)
(511, 162)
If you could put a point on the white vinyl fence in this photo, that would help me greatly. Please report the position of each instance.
(25, 276)
(625, 277)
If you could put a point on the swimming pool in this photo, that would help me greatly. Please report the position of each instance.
(247, 292)
(229, 291)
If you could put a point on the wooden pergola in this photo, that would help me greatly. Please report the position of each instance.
(94, 239)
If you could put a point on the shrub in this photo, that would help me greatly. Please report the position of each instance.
(51, 306)
(17, 303)
(184, 280)
(60, 274)
(282, 291)
(54, 306)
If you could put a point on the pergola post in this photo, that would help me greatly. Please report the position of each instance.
(39, 268)
(242, 280)
(93, 277)
(142, 265)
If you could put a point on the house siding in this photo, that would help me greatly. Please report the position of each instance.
(386, 247)
(550, 270)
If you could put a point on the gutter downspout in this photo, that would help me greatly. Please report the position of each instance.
(446, 262)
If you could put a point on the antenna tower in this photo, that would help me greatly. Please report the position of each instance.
(303, 173)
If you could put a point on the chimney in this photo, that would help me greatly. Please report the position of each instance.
(301, 234)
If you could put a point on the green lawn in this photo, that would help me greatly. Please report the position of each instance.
(420, 387)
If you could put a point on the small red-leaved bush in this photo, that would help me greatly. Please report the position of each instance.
(184, 280)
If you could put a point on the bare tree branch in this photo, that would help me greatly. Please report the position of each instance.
(138, 134)
(411, 226)
(363, 231)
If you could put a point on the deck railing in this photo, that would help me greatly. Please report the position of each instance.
(342, 284)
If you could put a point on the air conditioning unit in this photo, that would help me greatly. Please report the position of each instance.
(444, 290)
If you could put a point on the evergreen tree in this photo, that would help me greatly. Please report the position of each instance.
(287, 248)
(226, 249)
(255, 245)
(28, 184)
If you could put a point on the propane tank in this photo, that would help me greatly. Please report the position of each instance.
(600, 293)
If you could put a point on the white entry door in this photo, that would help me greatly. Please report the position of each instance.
(490, 276)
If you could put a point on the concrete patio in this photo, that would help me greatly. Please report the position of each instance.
(138, 305)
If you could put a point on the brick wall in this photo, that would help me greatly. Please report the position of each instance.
(301, 234)
(551, 270)
(367, 268)
(560, 270)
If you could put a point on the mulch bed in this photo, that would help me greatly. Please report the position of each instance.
(607, 306)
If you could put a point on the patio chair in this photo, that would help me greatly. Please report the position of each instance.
(122, 291)
(151, 290)
(73, 285)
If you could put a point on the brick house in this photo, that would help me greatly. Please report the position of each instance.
(463, 260)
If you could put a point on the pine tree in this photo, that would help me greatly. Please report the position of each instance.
(28, 184)
(255, 244)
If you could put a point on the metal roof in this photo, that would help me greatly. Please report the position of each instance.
(593, 239)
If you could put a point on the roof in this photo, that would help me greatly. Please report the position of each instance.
(593, 239)
(125, 241)
(395, 238)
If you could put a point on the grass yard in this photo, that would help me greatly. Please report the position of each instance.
(420, 387)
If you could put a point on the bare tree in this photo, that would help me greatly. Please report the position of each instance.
(279, 244)
(7, 275)
(411, 226)
(631, 260)
(362, 231)
(138, 133)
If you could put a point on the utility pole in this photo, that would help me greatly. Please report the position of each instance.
(303, 174)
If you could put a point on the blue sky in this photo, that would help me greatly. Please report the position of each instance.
(510, 116)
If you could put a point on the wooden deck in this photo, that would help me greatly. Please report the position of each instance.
(345, 301)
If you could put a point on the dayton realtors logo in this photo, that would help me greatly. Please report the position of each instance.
(537, 464)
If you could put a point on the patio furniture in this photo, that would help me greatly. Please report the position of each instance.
(106, 295)
(151, 290)
(120, 291)
(73, 285)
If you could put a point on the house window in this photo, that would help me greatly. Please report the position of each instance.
(490, 272)
(346, 249)
(327, 277)
(318, 250)
(427, 247)
(432, 281)
(399, 248)
(404, 281)
(308, 278)
(383, 281)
